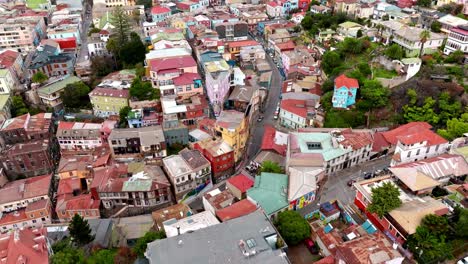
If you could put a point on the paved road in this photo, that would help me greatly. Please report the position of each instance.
(336, 186)
(88, 18)
(257, 130)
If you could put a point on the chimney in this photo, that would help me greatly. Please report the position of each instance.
(178, 230)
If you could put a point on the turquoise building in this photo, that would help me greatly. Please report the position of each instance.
(344, 93)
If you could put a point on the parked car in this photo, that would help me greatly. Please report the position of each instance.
(275, 117)
(368, 175)
(351, 182)
(311, 246)
(463, 261)
(260, 119)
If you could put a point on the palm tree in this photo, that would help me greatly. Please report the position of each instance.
(423, 37)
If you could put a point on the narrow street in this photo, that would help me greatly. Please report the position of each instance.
(88, 18)
(337, 187)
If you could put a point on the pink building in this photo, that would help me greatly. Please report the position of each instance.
(27, 30)
(188, 84)
(164, 70)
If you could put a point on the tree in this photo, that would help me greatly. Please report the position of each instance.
(307, 22)
(75, 95)
(427, 247)
(102, 66)
(384, 199)
(461, 226)
(330, 61)
(412, 112)
(18, 107)
(394, 52)
(68, 256)
(438, 225)
(146, 3)
(120, 21)
(374, 94)
(123, 113)
(455, 57)
(93, 30)
(142, 90)
(103, 256)
(448, 108)
(80, 231)
(424, 3)
(359, 33)
(423, 37)
(292, 227)
(352, 45)
(124, 255)
(436, 26)
(142, 243)
(39, 77)
(270, 166)
(456, 127)
(140, 70)
(133, 52)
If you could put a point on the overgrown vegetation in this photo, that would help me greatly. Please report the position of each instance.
(142, 243)
(385, 198)
(75, 95)
(292, 227)
(270, 166)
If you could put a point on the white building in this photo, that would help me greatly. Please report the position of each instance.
(174, 227)
(331, 149)
(7, 83)
(187, 171)
(77, 135)
(408, 39)
(416, 144)
(457, 40)
(448, 22)
(273, 9)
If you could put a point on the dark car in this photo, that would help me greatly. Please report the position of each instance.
(367, 175)
(260, 119)
(311, 246)
(351, 182)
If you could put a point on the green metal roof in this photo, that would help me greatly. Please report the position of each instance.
(35, 4)
(328, 151)
(349, 24)
(462, 151)
(270, 191)
(3, 100)
(137, 186)
(3, 72)
(59, 85)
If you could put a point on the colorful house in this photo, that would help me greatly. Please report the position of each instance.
(232, 126)
(344, 93)
(160, 13)
(221, 156)
(108, 101)
(302, 186)
(270, 193)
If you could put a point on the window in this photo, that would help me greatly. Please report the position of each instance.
(409, 154)
(417, 152)
(314, 145)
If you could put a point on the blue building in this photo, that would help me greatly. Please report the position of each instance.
(159, 13)
(344, 93)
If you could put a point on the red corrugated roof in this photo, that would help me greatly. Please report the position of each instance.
(172, 63)
(104, 32)
(159, 10)
(413, 132)
(268, 142)
(343, 81)
(109, 92)
(272, 4)
(8, 58)
(186, 78)
(236, 210)
(242, 43)
(241, 182)
(424, 135)
(297, 107)
(460, 31)
(289, 45)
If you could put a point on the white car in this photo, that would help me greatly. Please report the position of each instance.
(463, 261)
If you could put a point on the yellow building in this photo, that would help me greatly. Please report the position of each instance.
(108, 101)
(233, 128)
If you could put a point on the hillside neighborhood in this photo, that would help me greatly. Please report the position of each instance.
(206, 131)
